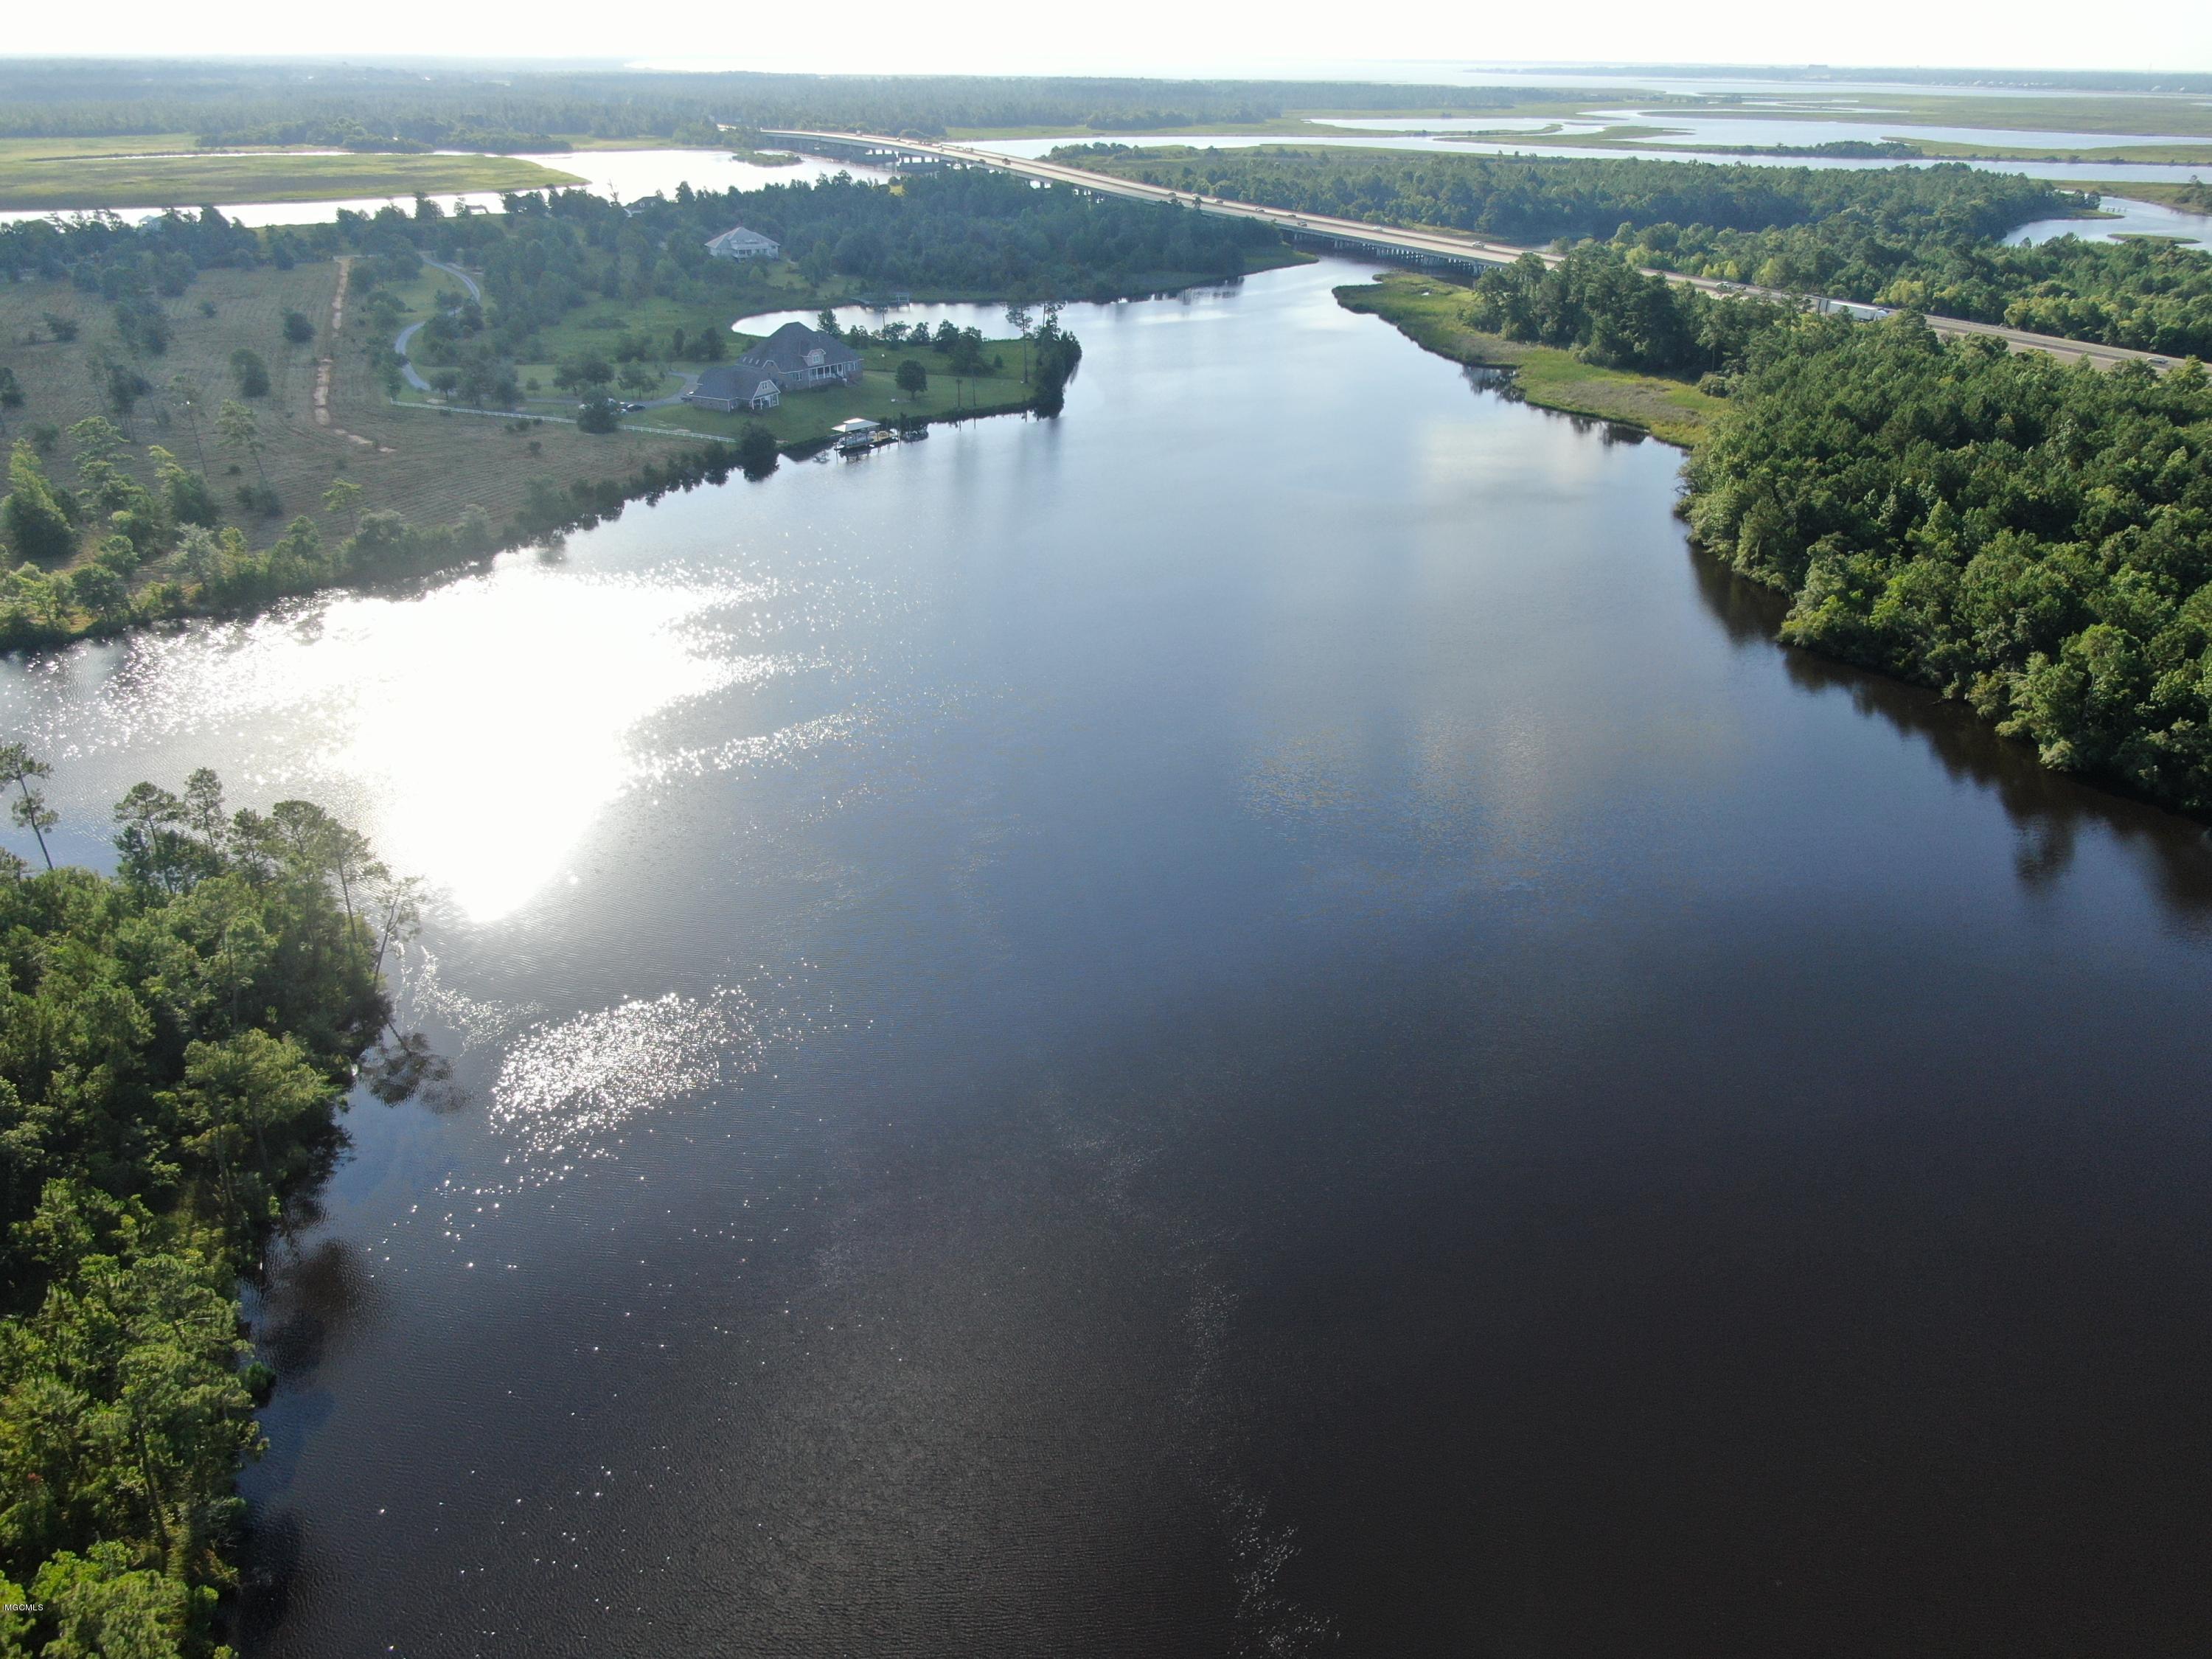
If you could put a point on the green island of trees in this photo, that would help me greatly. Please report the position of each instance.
(1535, 199)
(2033, 537)
(175, 1040)
(2144, 295)
(1921, 239)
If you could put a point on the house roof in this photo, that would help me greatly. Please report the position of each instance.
(786, 349)
(734, 383)
(737, 236)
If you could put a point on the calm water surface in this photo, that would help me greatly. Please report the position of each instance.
(1256, 1021)
(2080, 175)
(1754, 128)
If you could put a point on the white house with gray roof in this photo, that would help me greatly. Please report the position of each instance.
(795, 358)
(739, 243)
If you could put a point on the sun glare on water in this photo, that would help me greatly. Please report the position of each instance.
(494, 726)
(474, 733)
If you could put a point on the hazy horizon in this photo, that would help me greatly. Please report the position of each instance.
(1153, 40)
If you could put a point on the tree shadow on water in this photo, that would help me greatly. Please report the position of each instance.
(269, 1567)
(2049, 810)
(1484, 377)
(307, 1299)
(405, 1066)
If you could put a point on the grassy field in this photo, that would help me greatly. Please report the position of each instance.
(2117, 114)
(807, 416)
(2190, 198)
(417, 458)
(1293, 123)
(2170, 154)
(1429, 312)
(81, 180)
(249, 310)
(14, 151)
(423, 465)
(592, 329)
(1654, 138)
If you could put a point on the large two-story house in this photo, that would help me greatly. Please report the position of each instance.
(739, 243)
(795, 358)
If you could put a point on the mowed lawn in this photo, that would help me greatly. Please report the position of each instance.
(804, 416)
(596, 329)
(430, 465)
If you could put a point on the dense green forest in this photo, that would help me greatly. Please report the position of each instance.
(174, 1042)
(444, 105)
(1922, 238)
(964, 232)
(2033, 537)
(1539, 198)
(105, 256)
(2030, 537)
(967, 233)
(975, 234)
(1596, 304)
(2148, 296)
(187, 567)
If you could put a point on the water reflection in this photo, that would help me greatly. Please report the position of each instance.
(311, 1295)
(450, 726)
(2078, 174)
(2049, 810)
(1504, 383)
(564, 1089)
(1232, 994)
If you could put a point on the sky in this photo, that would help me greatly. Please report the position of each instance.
(1298, 38)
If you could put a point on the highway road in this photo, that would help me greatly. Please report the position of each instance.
(1397, 241)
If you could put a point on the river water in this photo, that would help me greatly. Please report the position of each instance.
(1258, 1020)
(1752, 128)
(2082, 175)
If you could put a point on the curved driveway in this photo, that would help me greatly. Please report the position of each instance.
(401, 340)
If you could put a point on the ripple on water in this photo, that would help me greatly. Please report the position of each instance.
(565, 1089)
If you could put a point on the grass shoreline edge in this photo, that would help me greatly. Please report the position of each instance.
(1425, 309)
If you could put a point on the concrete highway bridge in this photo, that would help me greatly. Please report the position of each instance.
(1417, 247)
